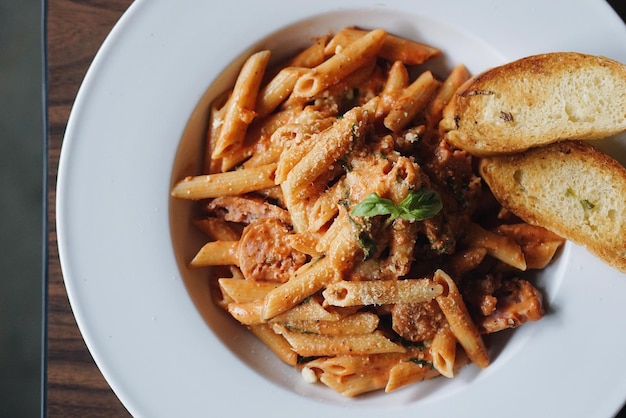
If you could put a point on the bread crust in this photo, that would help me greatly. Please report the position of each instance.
(537, 100)
(569, 188)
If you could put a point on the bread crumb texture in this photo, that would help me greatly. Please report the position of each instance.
(538, 100)
(569, 188)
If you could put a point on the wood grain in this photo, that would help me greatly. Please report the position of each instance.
(75, 32)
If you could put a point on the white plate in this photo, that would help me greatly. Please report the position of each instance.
(168, 352)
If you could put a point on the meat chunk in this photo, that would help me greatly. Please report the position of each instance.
(417, 321)
(503, 303)
(246, 209)
(265, 253)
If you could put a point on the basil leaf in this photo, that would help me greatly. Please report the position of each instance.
(422, 204)
(374, 205)
(417, 206)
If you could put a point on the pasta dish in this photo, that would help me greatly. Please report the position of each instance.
(344, 231)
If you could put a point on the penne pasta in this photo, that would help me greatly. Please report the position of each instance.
(347, 365)
(239, 109)
(435, 108)
(397, 80)
(356, 384)
(413, 99)
(380, 292)
(336, 213)
(216, 253)
(276, 343)
(461, 325)
(394, 48)
(309, 309)
(229, 183)
(443, 351)
(277, 90)
(248, 313)
(537, 244)
(244, 291)
(331, 144)
(306, 281)
(355, 324)
(312, 56)
(217, 229)
(311, 345)
(501, 247)
(340, 65)
(407, 372)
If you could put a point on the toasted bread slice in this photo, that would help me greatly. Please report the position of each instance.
(538, 100)
(569, 188)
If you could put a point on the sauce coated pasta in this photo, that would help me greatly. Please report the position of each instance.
(344, 231)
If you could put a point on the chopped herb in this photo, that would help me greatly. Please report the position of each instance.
(302, 360)
(457, 119)
(343, 202)
(355, 130)
(306, 300)
(364, 239)
(422, 362)
(587, 205)
(417, 206)
(506, 116)
(367, 243)
(293, 328)
(420, 345)
(345, 164)
(481, 93)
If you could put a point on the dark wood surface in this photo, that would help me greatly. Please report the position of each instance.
(75, 31)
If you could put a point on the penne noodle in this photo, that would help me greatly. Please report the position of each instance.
(276, 343)
(307, 280)
(306, 243)
(312, 56)
(394, 48)
(330, 146)
(381, 292)
(309, 309)
(340, 65)
(248, 313)
(311, 345)
(443, 351)
(413, 99)
(397, 80)
(537, 243)
(326, 206)
(216, 120)
(464, 329)
(346, 365)
(277, 90)
(407, 372)
(239, 109)
(216, 253)
(244, 291)
(216, 228)
(344, 248)
(356, 384)
(458, 76)
(498, 246)
(358, 323)
(230, 183)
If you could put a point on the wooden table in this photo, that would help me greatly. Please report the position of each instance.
(76, 29)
